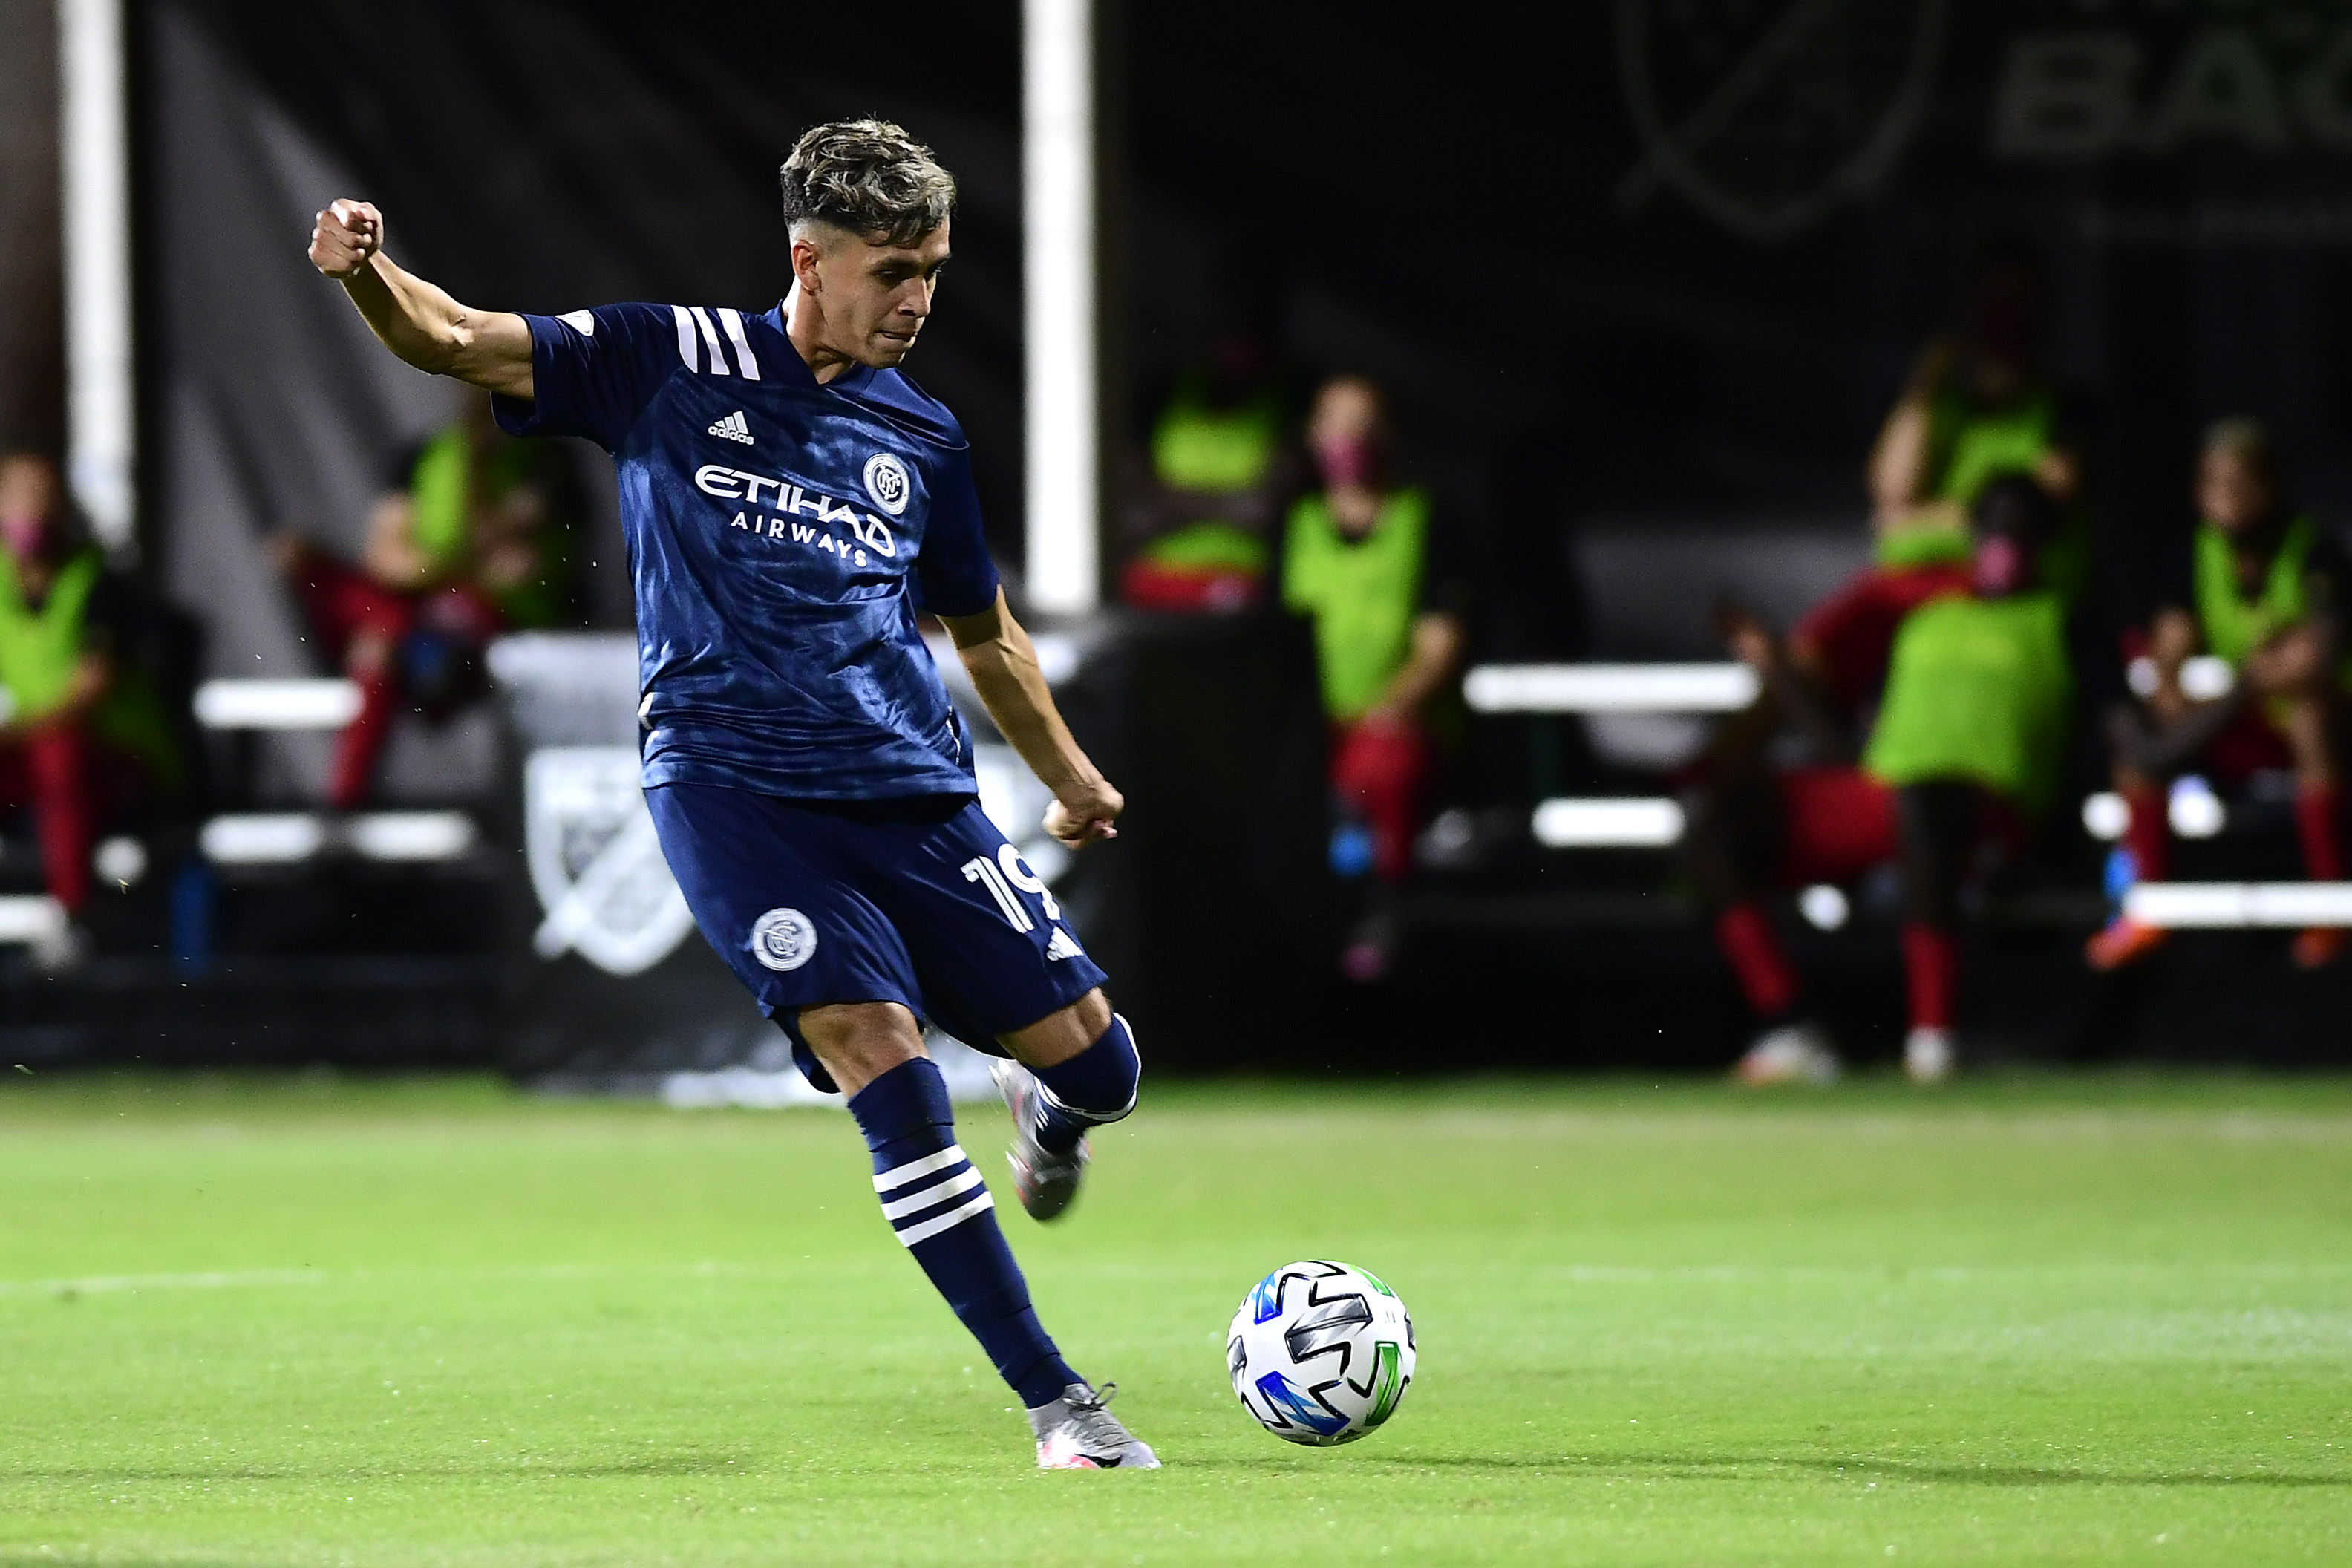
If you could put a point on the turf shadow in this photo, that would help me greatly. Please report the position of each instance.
(662, 1465)
(1712, 1467)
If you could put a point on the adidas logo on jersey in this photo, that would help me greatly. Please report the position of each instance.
(732, 428)
(1063, 945)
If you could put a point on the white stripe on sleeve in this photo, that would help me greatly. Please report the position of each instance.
(710, 337)
(687, 349)
(732, 321)
(948, 1221)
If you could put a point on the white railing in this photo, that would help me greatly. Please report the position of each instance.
(1609, 688)
(322, 704)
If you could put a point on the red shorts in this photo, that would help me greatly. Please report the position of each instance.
(1835, 823)
(2252, 744)
(1838, 822)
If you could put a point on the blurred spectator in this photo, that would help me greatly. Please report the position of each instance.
(83, 733)
(1965, 753)
(2266, 591)
(1366, 560)
(468, 541)
(1975, 408)
(1219, 469)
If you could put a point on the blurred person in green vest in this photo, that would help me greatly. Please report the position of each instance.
(83, 733)
(1975, 408)
(1368, 562)
(1964, 756)
(2265, 589)
(1221, 463)
(469, 541)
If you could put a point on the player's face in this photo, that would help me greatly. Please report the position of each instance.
(877, 297)
(2233, 493)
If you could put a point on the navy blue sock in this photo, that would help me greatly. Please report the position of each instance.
(1094, 1087)
(936, 1201)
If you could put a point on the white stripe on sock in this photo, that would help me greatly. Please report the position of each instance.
(689, 349)
(899, 1176)
(1092, 1118)
(963, 1182)
(948, 1221)
(733, 321)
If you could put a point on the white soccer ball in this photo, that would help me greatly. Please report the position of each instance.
(1320, 1352)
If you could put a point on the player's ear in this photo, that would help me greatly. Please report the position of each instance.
(806, 254)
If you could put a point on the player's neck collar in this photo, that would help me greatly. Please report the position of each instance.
(853, 378)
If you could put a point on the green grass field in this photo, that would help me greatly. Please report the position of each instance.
(2035, 1319)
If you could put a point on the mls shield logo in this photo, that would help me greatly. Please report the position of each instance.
(887, 482)
(1766, 114)
(596, 861)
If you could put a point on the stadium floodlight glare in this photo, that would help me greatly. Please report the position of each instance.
(1609, 688)
(2237, 905)
(276, 704)
(1057, 208)
(1608, 824)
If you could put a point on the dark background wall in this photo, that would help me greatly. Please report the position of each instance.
(32, 412)
(1656, 255)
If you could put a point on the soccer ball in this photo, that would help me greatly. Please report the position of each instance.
(1320, 1352)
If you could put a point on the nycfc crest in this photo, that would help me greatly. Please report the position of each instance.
(887, 482)
(783, 940)
(1765, 116)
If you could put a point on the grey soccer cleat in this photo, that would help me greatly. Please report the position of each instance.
(1927, 1056)
(1793, 1053)
(1048, 1182)
(1077, 1432)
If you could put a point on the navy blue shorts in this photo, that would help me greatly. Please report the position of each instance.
(918, 902)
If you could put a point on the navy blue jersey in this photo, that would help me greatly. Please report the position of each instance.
(783, 536)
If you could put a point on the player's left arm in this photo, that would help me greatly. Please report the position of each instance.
(1004, 666)
(1432, 653)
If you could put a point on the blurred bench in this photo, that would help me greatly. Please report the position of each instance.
(241, 708)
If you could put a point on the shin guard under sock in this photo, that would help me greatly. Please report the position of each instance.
(936, 1201)
(1745, 933)
(1092, 1088)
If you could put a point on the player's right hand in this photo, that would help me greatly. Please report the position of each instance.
(346, 234)
(1084, 812)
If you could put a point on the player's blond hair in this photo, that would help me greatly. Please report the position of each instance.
(868, 176)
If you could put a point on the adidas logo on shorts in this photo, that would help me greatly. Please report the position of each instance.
(732, 428)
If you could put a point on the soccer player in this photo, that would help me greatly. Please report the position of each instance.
(1964, 756)
(792, 503)
(2265, 589)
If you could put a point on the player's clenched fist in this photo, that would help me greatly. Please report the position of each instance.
(345, 235)
(1079, 813)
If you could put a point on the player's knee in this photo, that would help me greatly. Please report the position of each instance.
(858, 1042)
